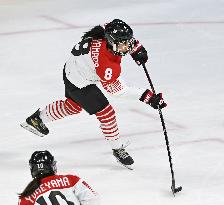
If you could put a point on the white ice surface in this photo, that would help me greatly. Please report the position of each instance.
(185, 40)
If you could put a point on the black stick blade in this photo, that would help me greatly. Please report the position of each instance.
(178, 189)
(174, 189)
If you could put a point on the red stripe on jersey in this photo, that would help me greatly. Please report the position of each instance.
(112, 87)
(89, 187)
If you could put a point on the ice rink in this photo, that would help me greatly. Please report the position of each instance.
(185, 41)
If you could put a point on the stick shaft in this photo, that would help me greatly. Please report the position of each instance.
(163, 124)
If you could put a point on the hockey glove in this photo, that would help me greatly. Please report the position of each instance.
(154, 100)
(140, 56)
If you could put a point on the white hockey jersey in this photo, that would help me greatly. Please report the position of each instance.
(91, 62)
(62, 189)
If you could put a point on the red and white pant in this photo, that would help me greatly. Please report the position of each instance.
(107, 118)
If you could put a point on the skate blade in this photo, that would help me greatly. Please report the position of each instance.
(26, 126)
(126, 166)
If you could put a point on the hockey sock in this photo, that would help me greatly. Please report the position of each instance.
(108, 125)
(59, 109)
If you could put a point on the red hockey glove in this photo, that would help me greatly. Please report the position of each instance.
(154, 100)
(140, 56)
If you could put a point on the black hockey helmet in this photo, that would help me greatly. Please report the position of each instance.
(42, 164)
(117, 31)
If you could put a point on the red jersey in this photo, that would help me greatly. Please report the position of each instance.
(108, 67)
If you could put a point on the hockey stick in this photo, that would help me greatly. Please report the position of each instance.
(173, 187)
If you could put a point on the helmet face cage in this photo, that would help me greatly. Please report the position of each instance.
(42, 164)
(118, 32)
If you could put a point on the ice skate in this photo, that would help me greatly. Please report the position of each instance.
(35, 125)
(123, 157)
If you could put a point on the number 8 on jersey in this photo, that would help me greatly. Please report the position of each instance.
(108, 74)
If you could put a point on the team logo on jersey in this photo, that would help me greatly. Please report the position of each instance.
(95, 49)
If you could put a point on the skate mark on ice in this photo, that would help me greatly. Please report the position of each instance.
(66, 26)
(56, 20)
(33, 31)
(71, 26)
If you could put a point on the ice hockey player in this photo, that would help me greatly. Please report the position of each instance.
(49, 188)
(96, 59)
